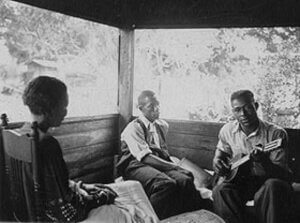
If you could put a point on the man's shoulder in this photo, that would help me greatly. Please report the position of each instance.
(132, 126)
(137, 126)
(162, 123)
(229, 127)
(272, 127)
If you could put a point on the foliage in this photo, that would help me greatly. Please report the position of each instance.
(195, 71)
(81, 53)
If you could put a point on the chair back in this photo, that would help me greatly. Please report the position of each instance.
(4, 202)
(22, 166)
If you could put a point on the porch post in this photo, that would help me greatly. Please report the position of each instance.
(126, 69)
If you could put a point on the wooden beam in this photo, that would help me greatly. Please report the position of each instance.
(126, 69)
(213, 13)
(145, 14)
(104, 11)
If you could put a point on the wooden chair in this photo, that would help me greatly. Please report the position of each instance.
(4, 204)
(21, 152)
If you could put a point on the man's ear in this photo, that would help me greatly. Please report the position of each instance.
(256, 105)
(140, 107)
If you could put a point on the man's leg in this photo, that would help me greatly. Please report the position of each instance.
(190, 198)
(160, 188)
(272, 201)
(229, 202)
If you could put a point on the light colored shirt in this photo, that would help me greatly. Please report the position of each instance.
(233, 140)
(133, 135)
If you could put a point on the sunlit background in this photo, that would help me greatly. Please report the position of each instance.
(194, 71)
(37, 42)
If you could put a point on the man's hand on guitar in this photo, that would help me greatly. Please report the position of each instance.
(257, 154)
(221, 166)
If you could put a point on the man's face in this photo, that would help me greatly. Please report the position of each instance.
(244, 111)
(150, 108)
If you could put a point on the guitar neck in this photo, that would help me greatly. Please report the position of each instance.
(241, 161)
(268, 148)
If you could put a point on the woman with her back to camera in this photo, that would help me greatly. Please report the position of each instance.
(64, 199)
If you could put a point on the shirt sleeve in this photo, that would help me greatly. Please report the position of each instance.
(223, 143)
(134, 137)
(279, 156)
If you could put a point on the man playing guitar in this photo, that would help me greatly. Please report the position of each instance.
(266, 178)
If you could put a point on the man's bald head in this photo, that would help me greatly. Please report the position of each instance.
(148, 105)
(142, 99)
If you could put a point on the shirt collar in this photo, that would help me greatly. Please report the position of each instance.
(146, 122)
(238, 128)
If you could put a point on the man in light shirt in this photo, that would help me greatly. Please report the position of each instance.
(266, 178)
(145, 158)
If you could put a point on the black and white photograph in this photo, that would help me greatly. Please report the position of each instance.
(148, 111)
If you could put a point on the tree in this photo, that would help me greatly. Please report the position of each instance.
(212, 63)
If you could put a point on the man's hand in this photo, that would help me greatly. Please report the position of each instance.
(257, 154)
(220, 166)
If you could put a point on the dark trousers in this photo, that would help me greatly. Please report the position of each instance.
(170, 193)
(272, 200)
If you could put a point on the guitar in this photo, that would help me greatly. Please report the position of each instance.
(239, 159)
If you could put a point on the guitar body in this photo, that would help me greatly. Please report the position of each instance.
(240, 165)
(238, 172)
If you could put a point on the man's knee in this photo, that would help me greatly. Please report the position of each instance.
(273, 189)
(277, 185)
(166, 186)
(162, 192)
(185, 182)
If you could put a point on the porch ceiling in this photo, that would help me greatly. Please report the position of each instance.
(179, 13)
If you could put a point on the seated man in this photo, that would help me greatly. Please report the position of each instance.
(145, 158)
(265, 177)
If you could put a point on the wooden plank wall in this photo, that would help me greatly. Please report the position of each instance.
(194, 140)
(89, 146)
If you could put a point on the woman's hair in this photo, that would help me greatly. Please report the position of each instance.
(44, 93)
